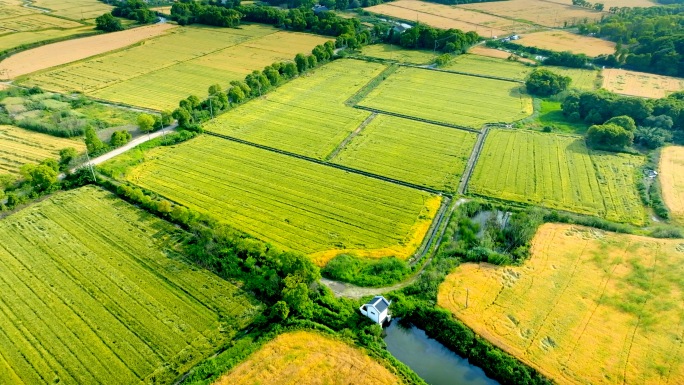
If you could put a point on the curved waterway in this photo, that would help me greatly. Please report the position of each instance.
(433, 362)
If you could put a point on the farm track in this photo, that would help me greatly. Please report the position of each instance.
(351, 136)
(324, 163)
(449, 125)
(472, 161)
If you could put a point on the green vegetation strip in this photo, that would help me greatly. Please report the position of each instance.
(95, 292)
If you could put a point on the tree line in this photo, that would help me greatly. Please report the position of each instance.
(648, 39)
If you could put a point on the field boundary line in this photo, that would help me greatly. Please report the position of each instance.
(429, 68)
(432, 231)
(472, 161)
(443, 124)
(333, 165)
(371, 85)
(350, 137)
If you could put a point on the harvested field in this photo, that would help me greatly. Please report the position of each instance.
(95, 293)
(585, 80)
(74, 9)
(396, 53)
(559, 172)
(588, 307)
(306, 116)
(497, 53)
(165, 69)
(296, 356)
(541, 12)
(672, 179)
(450, 98)
(445, 16)
(483, 65)
(52, 55)
(19, 147)
(557, 40)
(292, 203)
(640, 84)
(416, 152)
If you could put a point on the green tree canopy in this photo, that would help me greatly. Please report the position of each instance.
(543, 82)
(108, 23)
(146, 122)
(609, 136)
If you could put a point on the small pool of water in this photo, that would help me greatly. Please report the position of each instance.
(433, 362)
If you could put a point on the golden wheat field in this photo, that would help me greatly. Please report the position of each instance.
(308, 358)
(640, 84)
(565, 41)
(588, 307)
(672, 179)
(540, 12)
(19, 147)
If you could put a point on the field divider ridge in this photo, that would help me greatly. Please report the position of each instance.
(351, 136)
(435, 226)
(431, 68)
(370, 86)
(398, 115)
(472, 161)
(328, 164)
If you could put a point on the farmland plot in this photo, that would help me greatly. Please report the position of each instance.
(416, 152)
(163, 70)
(306, 116)
(293, 203)
(588, 307)
(672, 179)
(582, 79)
(557, 40)
(94, 293)
(396, 53)
(640, 84)
(558, 171)
(449, 98)
(483, 65)
(297, 355)
(546, 13)
(19, 147)
(75, 9)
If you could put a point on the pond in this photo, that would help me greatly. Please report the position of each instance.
(433, 362)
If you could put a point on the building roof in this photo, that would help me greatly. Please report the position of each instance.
(379, 302)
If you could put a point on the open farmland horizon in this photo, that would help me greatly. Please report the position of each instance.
(95, 292)
(589, 306)
(161, 71)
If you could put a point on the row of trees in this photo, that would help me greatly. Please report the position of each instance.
(586, 4)
(192, 111)
(423, 36)
(190, 11)
(564, 59)
(137, 10)
(649, 39)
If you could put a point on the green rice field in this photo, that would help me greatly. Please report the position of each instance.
(307, 115)
(399, 54)
(21, 25)
(490, 66)
(584, 80)
(75, 9)
(19, 147)
(558, 171)
(162, 70)
(449, 98)
(94, 293)
(416, 152)
(292, 203)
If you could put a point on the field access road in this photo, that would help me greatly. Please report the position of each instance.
(133, 143)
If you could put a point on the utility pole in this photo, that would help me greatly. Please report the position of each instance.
(90, 165)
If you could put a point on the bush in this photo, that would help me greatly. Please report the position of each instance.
(108, 23)
(543, 82)
(366, 272)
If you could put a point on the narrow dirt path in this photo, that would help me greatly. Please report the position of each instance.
(351, 136)
(472, 161)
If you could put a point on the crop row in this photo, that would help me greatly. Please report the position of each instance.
(411, 151)
(449, 98)
(291, 202)
(307, 116)
(87, 272)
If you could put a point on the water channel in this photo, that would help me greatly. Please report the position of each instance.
(433, 362)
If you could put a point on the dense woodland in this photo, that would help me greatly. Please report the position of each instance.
(649, 39)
